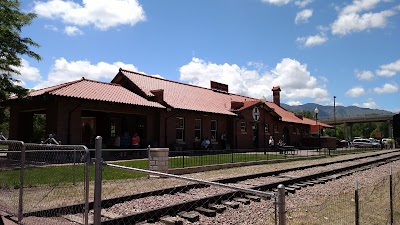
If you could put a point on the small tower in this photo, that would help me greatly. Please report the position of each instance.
(276, 95)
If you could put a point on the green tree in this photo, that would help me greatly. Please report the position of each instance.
(306, 114)
(12, 47)
(5, 117)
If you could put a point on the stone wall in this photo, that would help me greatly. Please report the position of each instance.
(158, 160)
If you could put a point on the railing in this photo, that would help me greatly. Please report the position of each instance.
(111, 195)
(39, 179)
(193, 158)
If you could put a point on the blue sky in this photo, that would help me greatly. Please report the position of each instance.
(312, 49)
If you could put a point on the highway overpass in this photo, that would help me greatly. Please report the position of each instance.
(349, 121)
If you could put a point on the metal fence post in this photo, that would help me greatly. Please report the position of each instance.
(357, 215)
(391, 196)
(97, 182)
(21, 185)
(87, 182)
(73, 169)
(183, 159)
(149, 158)
(281, 204)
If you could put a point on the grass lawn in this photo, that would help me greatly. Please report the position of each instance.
(66, 174)
(345, 151)
(191, 161)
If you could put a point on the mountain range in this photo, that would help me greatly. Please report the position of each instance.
(328, 111)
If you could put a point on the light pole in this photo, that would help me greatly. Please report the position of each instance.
(316, 123)
(334, 114)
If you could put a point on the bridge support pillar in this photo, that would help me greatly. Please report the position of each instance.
(348, 131)
(390, 128)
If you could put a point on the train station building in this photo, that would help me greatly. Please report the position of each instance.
(162, 112)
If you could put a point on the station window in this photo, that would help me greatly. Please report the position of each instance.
(113, 129)
(214, 128)
(197, 129)
(243, 127)
(266, 128)
(276, 129)
(180, 128)
(298, 130)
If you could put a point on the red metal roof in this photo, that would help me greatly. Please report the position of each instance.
(95, 90)
(290, 117)
(186, 96)
(247, 104)
(190, 97)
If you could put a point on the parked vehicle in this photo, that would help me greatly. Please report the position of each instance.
(357, 143)
(384, 140)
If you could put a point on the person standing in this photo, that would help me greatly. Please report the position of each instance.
(223, 140)
(271, 141)
(135, 141)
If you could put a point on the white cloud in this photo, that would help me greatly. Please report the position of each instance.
(277, 2)
(311, 41)
(303, 16)
(51, 27)
(303, 3)
(351, 19)
(387, 88)
(103, 14)
(294, 103)
(355, 92)
(389, 70)
(370, 103)
(72, 31)
(64, 71)
(364, 75)
(27, 73)
(293, 77)
(299, 3)
(359, 6)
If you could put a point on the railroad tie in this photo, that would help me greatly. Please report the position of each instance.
(76, 219)
(319, 181)
(233, 205)
(190, 216)
(308, 183)
(290, 190)
(244, 201)
(253, 198)
(171, 220)
(206, 212)
(108, 214)
(217, 208)
(300, 185)
(295, 186)
(336, 176)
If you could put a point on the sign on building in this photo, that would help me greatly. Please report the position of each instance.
(256, 114)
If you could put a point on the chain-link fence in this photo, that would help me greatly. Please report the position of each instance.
(380, 204)
(40, 182)
(369, 203)
(11, 177)
(164, 198)
(49, 184)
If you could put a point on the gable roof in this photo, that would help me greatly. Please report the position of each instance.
(290, 117)
(189, 97)
(185, 96)
(95, 90)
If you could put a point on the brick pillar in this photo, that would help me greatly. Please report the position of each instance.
(158, 160)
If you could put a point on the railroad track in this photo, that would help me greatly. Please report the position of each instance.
(217, 203)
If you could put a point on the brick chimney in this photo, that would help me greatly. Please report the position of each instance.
(276, 95)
